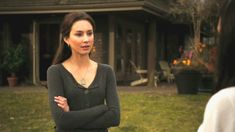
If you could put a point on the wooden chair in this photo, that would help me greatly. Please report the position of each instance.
(166, 71)
(140, 72)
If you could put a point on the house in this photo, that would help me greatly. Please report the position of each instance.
(136, 30)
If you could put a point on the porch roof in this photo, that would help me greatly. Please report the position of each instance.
(154, 7)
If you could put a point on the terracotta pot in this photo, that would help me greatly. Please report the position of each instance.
(12, 81)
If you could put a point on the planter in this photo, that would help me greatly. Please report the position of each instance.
(12, 81)
(12, 60)
(207, 83)
(188, 81)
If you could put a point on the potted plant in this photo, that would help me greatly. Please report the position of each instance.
(13, 58)
(189, 68)
(198, 60)
(187, 76)
(197, 14)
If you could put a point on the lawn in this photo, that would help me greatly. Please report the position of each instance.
(27, 110)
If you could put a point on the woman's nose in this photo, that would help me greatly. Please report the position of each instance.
(86, 38)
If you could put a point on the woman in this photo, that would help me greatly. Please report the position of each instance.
(219, 114)
(82, 92)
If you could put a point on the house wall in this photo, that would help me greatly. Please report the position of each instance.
(13, 31)
(41, 43)
(171, 37)
(133, 17)
(101, 53)
(133, 41)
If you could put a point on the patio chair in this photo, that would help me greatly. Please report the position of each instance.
(166, 71)
(140, 72)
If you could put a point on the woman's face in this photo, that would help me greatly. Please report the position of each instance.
(81, 37)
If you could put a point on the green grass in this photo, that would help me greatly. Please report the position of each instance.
(24, 110)
(27, 110)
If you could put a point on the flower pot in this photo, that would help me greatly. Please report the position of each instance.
(188, 81)
(207, 83)
(12, 81)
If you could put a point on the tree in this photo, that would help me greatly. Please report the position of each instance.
(194, 12)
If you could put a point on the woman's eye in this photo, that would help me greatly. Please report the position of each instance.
(89, 33)
(79, 34)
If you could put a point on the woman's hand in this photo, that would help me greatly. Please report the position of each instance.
(62, 103)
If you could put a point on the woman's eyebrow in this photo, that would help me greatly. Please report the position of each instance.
(83, 30)
(78, 31)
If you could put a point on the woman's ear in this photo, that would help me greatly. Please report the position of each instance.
(66, 41)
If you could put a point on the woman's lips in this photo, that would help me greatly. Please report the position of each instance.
(85, 47)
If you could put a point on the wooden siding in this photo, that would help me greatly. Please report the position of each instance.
(15, 3)
(64, 6)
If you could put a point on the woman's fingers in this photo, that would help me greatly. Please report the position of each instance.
(60, 98)
(61, 106)
(62, 102)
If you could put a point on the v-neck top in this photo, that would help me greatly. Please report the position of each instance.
(92, 109)
(76, 82)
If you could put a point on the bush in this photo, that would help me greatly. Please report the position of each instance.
(13, 58)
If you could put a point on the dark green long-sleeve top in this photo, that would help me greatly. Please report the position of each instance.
(92, 109)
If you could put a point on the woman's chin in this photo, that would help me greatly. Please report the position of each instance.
(84, 53)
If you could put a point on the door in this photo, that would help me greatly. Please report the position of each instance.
(129, 46)
(48, 42)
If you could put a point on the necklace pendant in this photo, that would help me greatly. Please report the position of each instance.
(83, 81)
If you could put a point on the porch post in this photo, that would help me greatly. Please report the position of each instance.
(152, 34)
(34, 52)
(111, 42)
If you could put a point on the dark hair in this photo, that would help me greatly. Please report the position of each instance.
(64, 52)
(226, 47)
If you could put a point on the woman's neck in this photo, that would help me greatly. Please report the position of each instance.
(81, 61)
